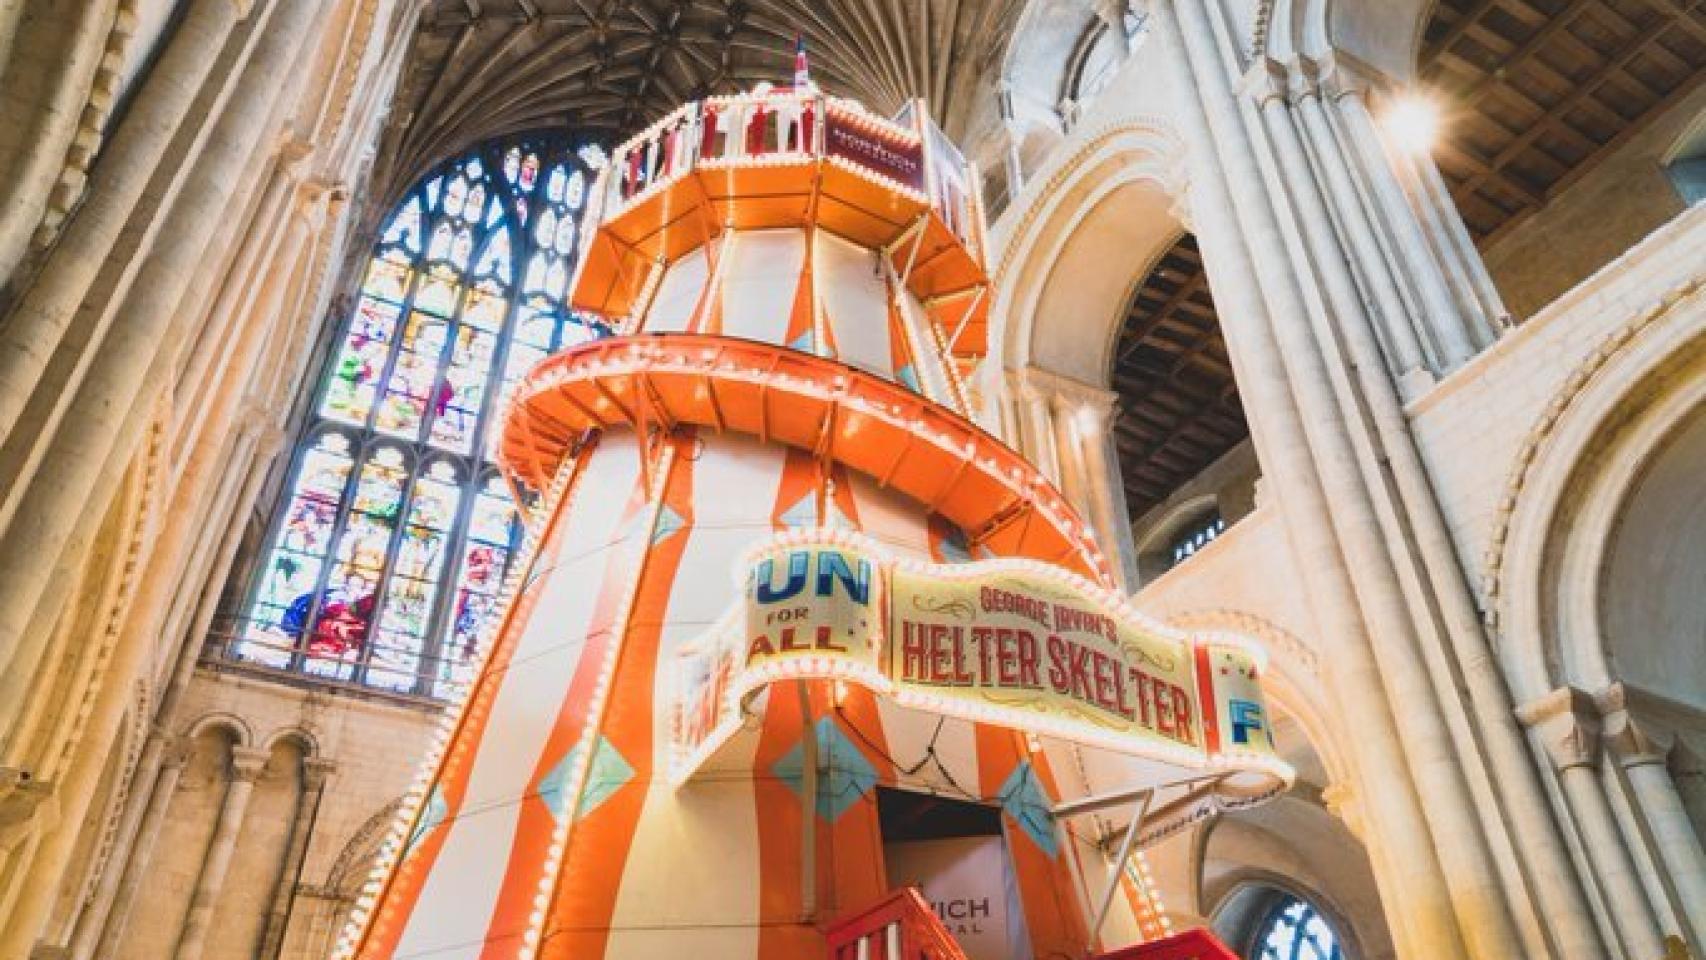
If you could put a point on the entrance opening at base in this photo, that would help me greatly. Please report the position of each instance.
(955, 851)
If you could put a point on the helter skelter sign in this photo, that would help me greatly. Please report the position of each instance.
(1016, 643)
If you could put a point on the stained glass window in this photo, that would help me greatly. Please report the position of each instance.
(395, 532)
(1295, 930)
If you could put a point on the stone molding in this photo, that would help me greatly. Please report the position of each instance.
(247, 764)
(1567, 721)
(85, 144)
(1539, 437)
(1062, 171)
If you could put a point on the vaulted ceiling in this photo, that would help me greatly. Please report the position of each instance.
(604, 68)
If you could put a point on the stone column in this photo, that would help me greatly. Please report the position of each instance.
(1402, 345)
(1642, 748)
(103, 920)
(1085, 415)
(1567, 723)
(246, 767)
(1417, 900)
(65, 485)
(314, 773)
(32, 334)
(1036, 428)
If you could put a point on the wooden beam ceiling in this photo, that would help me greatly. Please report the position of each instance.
(1539, 91)
(1179, 408)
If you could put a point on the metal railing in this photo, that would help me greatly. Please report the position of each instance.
(900, 926)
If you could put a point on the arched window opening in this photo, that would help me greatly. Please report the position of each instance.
(395, 533)
(1294, 930)
(1181, 422)
(1195, 535)
(1099, 55)
(1687, 166)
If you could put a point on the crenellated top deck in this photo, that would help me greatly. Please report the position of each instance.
(792, 158)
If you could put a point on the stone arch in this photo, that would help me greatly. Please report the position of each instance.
(1638, 394)
(303, 740)
(1116, 190)
(1292, 682)
(241, 733)
(1385, 35)
(1240, 902)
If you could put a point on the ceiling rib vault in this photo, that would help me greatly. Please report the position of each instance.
(604, 68)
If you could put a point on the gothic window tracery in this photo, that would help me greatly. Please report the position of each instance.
(395, 531)
(1295, 930)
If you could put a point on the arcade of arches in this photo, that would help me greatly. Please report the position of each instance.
(1423, 411)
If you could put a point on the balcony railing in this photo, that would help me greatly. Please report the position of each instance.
(910, 154)
(901, 926)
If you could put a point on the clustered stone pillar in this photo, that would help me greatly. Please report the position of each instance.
(132, 848)
(246, 767)
(94, 343)
(1568, 725)
(32, 333)
(1331, 436)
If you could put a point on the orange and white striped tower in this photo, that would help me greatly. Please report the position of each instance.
(800, 293)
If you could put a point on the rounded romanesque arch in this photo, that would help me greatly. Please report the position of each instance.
(1085, 233)
(1383, 34)
(1563, 572)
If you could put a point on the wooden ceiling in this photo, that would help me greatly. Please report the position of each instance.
(1179, 408)
(1537, 91)
(604, 68)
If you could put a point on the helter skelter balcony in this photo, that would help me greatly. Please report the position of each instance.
(792, 159)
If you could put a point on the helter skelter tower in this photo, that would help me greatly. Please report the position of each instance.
(778, 574)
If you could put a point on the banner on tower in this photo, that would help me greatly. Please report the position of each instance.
(1016, 643)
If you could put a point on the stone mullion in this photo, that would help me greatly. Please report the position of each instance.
(1416, 899)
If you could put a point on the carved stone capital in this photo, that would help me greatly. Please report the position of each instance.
(247, 764)
(1342, 75)
(1567, 722)
(23, 802)
(315, 770)
(1634, 737)
(293, 152)
(175, 751)
(1341, 800)
(1267, 80)
(1068, 396)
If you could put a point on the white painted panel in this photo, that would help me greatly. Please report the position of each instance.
(855, 299)
(456, 902)
(735, 481)
(892, 517)
(678, 293)
(759, 282)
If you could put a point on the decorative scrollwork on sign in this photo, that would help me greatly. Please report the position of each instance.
(956, 607)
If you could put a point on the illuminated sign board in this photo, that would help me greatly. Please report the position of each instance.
(1012, 642)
